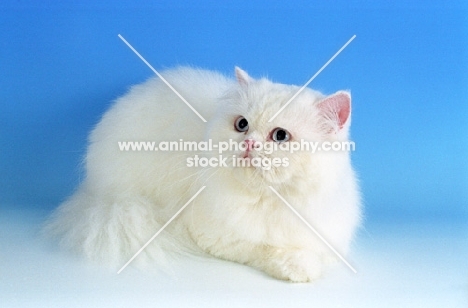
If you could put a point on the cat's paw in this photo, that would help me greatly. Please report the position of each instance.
(294, 265)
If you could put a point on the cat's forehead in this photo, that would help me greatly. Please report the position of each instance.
(264, 99)
(261, 100)
(268, 93)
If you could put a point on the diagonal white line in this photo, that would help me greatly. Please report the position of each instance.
(313, 77)
(162, 78)
(313, 230)
(160, 230)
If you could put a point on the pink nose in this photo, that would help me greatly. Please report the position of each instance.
(250, 144)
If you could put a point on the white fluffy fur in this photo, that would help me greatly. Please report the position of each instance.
(127, 196)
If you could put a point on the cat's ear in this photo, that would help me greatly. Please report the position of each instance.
(242, 77)
(336, 110)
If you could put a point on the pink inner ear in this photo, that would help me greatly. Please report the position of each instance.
(242, 76)
(338, 104)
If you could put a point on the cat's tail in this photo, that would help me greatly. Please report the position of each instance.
(110, 232)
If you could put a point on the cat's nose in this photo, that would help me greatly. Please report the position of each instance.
(251, 144)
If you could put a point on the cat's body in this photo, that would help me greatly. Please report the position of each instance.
(128, 195)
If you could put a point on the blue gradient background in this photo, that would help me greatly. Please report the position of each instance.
(61, 65)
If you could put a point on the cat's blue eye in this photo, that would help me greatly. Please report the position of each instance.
(280, 135)
(241, 124)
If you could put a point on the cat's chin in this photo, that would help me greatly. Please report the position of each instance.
(252, 176)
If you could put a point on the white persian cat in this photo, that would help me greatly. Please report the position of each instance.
(127, 196)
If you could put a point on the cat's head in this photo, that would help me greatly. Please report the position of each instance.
(248, 115)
